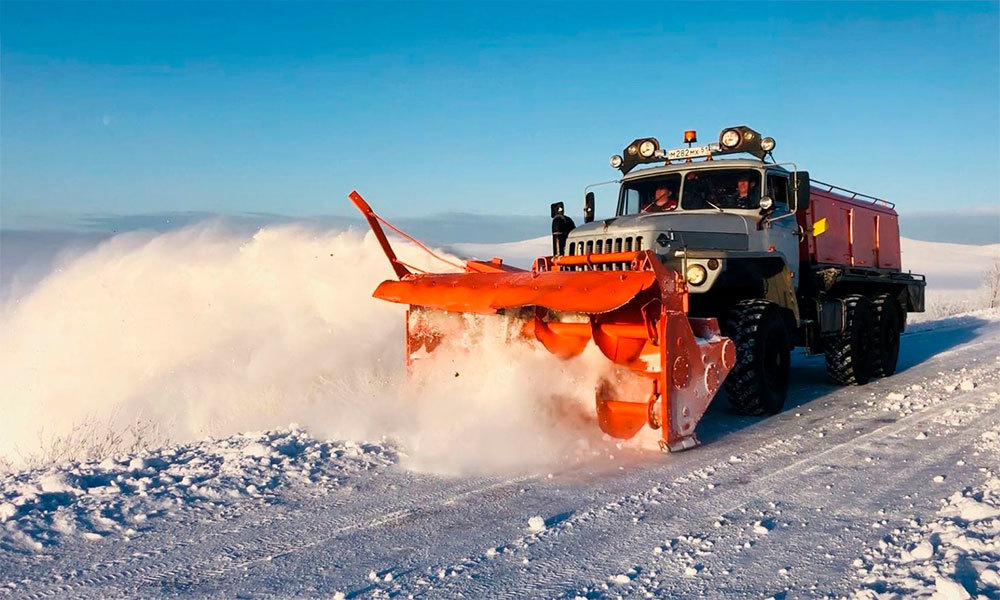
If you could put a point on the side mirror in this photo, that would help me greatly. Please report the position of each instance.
(561, 226)
(588, 207)
(800, 181)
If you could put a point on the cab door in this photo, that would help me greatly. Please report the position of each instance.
(781, 229)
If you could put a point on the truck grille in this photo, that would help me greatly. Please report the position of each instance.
(604, 246)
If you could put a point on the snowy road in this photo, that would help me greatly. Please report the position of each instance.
(784, 506)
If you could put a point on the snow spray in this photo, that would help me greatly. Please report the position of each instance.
(205, 332)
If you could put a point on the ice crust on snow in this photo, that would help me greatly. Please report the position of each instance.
(954, 557)
(536, 524)
(761, 528)
(93, 499)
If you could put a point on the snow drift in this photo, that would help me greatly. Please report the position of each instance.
(204, 332)
(94, 499)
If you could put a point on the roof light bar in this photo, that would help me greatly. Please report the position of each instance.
(731, 140)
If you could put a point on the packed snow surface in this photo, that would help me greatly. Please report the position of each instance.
(147, 388)
(954, 556)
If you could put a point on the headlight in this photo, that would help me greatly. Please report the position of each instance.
(647, 148)
(730, 138)
(766, 203)
(767, 144)
(632, 150)
(696, 274)
(616, 161)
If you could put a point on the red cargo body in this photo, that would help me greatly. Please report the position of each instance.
(850, 231)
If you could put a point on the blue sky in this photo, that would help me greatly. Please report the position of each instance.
(484, 108)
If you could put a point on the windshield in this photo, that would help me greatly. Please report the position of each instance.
(651, 195)
(724, 188)
(729, 188)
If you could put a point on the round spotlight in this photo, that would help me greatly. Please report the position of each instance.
(766, 203)
(767, 144)
(730, 138)
(696, 274)
(713, 263)
(616, 161)
(748, 135)
(646, 148)
(632, 150)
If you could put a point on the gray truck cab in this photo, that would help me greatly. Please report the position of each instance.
(727, 224)
(707, 220)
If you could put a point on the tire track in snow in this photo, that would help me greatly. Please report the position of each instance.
(306, 530)
(548, 573)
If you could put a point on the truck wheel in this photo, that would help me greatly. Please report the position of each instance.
(850, 355)
(887, 326)
(758, 383)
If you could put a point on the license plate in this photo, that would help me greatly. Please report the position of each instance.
(692, 152)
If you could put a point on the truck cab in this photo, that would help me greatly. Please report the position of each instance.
(707, 230)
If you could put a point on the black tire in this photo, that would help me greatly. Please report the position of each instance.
(850, 355)
(758, 383)
(888, 325)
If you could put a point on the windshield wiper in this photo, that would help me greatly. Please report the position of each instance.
(714, 206)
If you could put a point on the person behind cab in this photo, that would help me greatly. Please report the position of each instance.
(663, 201)
(746, 193)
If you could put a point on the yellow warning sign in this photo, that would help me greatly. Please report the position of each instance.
(819, 226)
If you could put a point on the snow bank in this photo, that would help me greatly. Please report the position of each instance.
(120, 496)
(149, 339)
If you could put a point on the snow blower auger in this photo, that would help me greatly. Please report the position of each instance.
(667, 366)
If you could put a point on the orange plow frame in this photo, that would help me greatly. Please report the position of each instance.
(668, 366)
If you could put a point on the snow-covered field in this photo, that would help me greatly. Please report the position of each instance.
(210, 346)
(956, 273)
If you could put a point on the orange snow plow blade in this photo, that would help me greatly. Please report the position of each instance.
(486, 293)
(665, 367)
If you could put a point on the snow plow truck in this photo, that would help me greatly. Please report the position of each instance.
(712, 270)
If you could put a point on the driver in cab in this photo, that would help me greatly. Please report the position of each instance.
(663, 201)
(746, 193)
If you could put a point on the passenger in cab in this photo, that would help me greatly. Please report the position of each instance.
(747, 195)
(663, 201)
